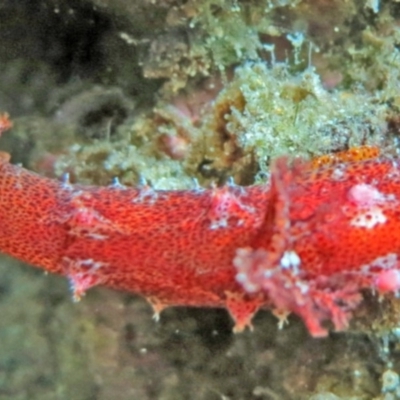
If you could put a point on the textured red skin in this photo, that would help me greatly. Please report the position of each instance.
(343, 223)
(305, 243)
(166, 246)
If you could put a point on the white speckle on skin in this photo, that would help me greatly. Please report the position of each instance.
(387, 261)
(338, 174)
(388, 281)
(364, 195)
(246, 262)
(369, 205)
(88, 263)
(290, 260)
(225, 206)
(243, 279)
(369, 218)
(82, 274)
(145, 195)
(219, 223)
(303, 286)
(96, 236)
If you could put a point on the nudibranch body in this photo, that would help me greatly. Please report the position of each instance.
(329, 233)
(307, 242)
(173, 247)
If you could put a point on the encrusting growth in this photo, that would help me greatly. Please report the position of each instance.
(307, 242)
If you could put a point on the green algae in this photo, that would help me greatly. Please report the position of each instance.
(286, 114)
(285, 106)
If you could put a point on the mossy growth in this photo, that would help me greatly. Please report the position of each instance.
(267, 109)
(284, 114)
(212, 35)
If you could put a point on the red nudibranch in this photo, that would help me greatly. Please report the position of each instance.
(307, 242)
